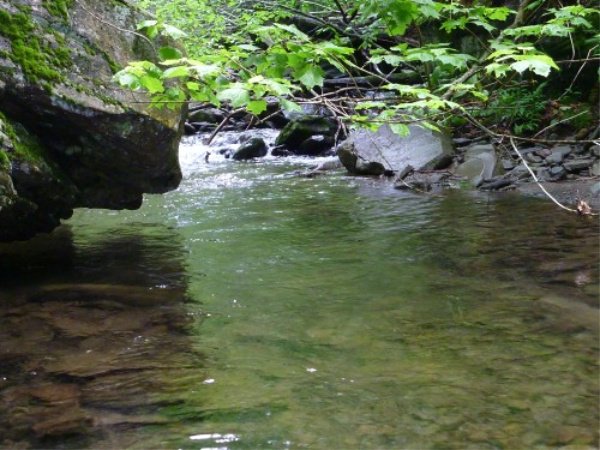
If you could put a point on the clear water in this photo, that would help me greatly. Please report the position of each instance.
(257, 309)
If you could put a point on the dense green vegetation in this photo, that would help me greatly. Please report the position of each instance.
(376, 61)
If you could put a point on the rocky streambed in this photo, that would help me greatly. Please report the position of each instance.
(425, 160)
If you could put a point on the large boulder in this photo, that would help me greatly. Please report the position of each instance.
(480, 163)
(68, 136)
(384, 150)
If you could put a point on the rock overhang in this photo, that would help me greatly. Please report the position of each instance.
(102, 145)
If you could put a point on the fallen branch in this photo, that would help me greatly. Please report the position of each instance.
(222, 124)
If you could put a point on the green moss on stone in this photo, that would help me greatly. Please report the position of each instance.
(39, 61)
(4, 161)
(58, 8)
(25, 146)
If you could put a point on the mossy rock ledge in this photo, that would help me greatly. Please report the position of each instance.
(69, 137)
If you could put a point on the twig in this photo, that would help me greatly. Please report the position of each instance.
(543, 130)
(222, 124)
(492, 133)
(579, 72)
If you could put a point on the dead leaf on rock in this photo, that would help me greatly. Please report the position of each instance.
(583, 209)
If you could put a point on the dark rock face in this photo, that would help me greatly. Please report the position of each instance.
(308, 135)
(421, 149)
(350, 160)
(68, 137)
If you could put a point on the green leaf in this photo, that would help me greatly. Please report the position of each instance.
(248, 47)
(400, 129)
(204, 70)
(257, 107)
(499, 70)
(166, 53)
(370, 105)
(538, 64)
(293, 30)
(429, 125)
(127, 79)
(173, 32)
(176, 72)
(329, 48)
(150, 27)
(151, 84)
(311, 76)
(237, 95)
(146, 24)
(290, 106)
(498, 13)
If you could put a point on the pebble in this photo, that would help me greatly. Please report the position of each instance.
(543, 152)
(557, 173)
(533, 158)
(576, 165)
(508, 164)
(543, 174)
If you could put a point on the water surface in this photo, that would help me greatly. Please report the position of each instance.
(254, 308)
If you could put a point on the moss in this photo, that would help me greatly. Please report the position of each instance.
(25, 146)
(58, 8)
(580, 117)
(37, 58)
(4, 161)
(89, 49)
(114, 66)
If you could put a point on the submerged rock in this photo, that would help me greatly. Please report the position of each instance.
(68, 137)
(422, 149)
(424, 182)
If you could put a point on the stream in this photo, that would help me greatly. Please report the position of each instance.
(255, 308)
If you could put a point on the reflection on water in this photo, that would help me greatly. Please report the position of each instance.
(91, 334)
(329, 314)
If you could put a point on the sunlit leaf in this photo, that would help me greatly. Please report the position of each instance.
(153, 85)
(257, 107)
(237, 95)
(289, 105)
(311, 76)
(400, 129)
(173, 32)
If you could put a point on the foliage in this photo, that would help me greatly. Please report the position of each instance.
(249, 54)
(518, 108)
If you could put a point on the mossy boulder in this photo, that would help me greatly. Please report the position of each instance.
(308, 135)
(69, 137)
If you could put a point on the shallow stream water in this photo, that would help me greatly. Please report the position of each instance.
(254, 308)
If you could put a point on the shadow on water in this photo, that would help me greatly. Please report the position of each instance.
(92, 333)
